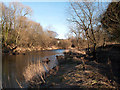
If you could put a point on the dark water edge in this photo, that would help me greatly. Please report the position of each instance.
(13, 66)
(9, 52)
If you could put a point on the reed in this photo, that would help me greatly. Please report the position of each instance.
(35, 72)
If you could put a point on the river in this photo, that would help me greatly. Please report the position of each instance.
(13, 66)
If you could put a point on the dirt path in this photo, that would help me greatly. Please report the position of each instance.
(57, 79)
(73, 76)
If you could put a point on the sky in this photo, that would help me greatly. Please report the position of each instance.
(50, 14)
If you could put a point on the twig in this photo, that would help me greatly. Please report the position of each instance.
(19, 84)
(82, 58)
(42, 78)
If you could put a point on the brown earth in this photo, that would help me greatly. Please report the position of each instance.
(110, 55)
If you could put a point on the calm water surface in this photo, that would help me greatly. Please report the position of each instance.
(13, 66)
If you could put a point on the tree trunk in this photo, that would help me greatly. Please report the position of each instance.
(86, 32)
(78, 43)
(94, 51)
(104, 43)
(94, 44)
(16, 41)
(88, 47)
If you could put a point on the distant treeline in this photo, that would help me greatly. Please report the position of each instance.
(18, 30)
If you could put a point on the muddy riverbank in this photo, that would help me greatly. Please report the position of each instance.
(15, 50)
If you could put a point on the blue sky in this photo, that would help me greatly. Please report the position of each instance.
(50, 14)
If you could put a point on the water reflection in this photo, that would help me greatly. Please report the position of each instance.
(13, 66)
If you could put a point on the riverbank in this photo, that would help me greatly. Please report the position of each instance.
(15, 50)
(78, 70)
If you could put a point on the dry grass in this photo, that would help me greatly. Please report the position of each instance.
(76, 51)
(35, 70)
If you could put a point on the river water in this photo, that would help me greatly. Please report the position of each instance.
(13, 66)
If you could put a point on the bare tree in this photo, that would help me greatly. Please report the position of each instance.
(19, 12)
(12, 18)
(84, 15)
(6, 22)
